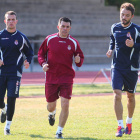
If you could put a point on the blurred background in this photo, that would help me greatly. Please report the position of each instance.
(91, 23)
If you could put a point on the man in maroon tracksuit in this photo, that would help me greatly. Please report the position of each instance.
(55, 55)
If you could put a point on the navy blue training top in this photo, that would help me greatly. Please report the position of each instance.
(13, 48)
(125, 58)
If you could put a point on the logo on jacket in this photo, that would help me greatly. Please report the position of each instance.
(17, 87)
(69, 47)
(16, 42)
(4, 38)
(62, 41)
(118, 31)
(128, 34)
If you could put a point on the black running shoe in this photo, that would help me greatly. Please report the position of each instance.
(58, 136)
(3, 117)
(7, 132)
(51, 119)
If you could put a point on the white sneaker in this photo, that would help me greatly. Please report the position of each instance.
(7, 132)
(58, 136)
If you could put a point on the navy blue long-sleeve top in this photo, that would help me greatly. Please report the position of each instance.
(13, 48)
(125, 58)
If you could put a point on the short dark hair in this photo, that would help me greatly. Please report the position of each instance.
(128, 6)
(10, 13)
(65, 19)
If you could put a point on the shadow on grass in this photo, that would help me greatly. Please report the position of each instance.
(71, 138)
(37, 136)
(80, 138)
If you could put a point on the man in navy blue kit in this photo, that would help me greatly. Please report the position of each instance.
(13, 46)
(125, 41)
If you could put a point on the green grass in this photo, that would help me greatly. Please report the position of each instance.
(91, 117)
(77, 89)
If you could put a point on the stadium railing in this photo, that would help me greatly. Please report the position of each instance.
(33, 42)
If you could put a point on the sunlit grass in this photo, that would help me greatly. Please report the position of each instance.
(90, 118)
(77, 89)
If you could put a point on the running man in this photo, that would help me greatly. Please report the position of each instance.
(125, 41)
(56, 57)
(13, 45)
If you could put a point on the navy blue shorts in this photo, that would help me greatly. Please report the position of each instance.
(124, 80)
(11, 84)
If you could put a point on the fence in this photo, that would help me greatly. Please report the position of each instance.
(93, 42)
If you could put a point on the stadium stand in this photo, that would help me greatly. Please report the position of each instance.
(91, 22)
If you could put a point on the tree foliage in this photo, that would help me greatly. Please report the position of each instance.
(118, 3)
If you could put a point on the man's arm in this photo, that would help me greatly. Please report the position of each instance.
(28, 51)
(79, 56)
(1, 58)
(111, 44)
(134, 44)
(42, 53)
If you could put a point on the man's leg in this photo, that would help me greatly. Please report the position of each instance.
(10, 112)
(3, 85)
(118, 104)
(130, 104)
(3, 111)
(119, 112)
(64, 112)
(130, 107)
(13, 86)
(63, 116)
(51, 107)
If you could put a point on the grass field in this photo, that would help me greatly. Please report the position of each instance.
(77, 89)
(91, 118)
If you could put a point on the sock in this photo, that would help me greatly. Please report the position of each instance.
(8, 124)
(52, 113)
(128, 120)
(120, 123)
(59, 130)
(4, 109)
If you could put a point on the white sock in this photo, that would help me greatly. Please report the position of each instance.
(59, 130)
(4, 109)
(128, 120)
(120, 123)
(52, 113)
(8, 124)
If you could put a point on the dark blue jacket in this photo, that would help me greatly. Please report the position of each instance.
(125, 58)
(13, 48)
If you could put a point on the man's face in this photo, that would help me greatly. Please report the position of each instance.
(64, 28)
(125, 17)
(10, 21)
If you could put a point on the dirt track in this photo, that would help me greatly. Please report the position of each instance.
(80, 78)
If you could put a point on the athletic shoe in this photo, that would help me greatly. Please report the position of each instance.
(120, 131)
(51, 119)
(3, 116)
(59, 136)
(7, 132)
(128, 129)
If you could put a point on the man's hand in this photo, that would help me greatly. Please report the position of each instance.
(77, 58)
(109, 53)
(129, 42)
(26, 64)
(1, 63)
(45, 67)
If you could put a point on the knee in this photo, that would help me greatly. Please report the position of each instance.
(131, 98)
(51, 108)
(117, 97)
